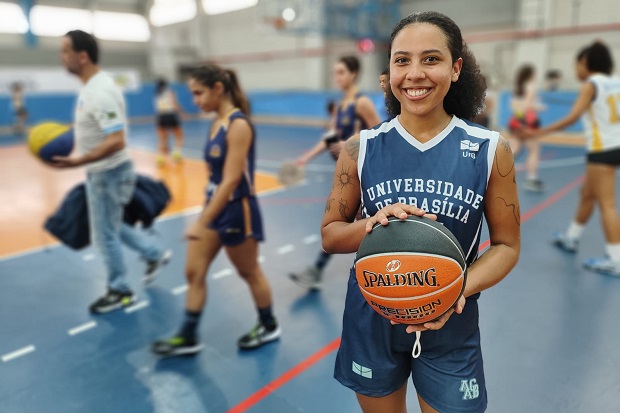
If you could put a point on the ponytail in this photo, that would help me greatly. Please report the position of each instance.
(236, 93)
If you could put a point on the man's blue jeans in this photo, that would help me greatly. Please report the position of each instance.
(108, 192)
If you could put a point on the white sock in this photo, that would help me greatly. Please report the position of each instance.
(613, 250)
(575, 230)
(532, 177)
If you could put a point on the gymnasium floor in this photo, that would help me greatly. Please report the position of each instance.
(549, 341)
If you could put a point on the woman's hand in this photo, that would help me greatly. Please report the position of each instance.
(438, 322)
(398, 210)
(335, 148)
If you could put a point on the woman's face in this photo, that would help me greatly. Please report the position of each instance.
(581, 68)
(205, 98)
(421, 69)
(343, 76)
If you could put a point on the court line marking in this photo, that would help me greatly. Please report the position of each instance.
(18, 353)
(180, 289)
(81, 328)
(222, 273)
(311, 239)
(290, 374)
(285, 249)
(137, 306)
(285, 378)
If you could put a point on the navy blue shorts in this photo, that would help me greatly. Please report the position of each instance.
(375, 359)
(240, 220)
(609, 157)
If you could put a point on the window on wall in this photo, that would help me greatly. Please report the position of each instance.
(165, 12)
(57, 21)
(225, 6)
(12, 19)
(121, 26)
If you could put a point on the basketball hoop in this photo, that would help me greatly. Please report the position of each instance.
(277, 22)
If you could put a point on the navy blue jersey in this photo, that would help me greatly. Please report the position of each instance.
(215, 155)
(446, 176)
(347, 120)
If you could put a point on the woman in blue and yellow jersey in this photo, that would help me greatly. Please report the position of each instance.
(354, 112)
(598, 104)
(231, 217)
(425, 160)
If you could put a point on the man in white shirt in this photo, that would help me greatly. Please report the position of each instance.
(100, 129)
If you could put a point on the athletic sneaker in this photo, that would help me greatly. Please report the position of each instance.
(153, 267)
(177, 157)
(310, 278)
(534, 185)
(176, 346)
(603, 266)
(113, 300)
(560, 240)
(259, 336)
(160, 160)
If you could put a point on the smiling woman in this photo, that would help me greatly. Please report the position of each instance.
(435, 89)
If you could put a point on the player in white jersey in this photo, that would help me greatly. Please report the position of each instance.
(598, 104)
(424, 161)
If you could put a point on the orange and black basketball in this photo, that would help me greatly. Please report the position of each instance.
(411, 271)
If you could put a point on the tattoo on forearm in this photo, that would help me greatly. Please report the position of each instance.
(352, 146)
(328, 205)
(515, 210)
(344, 178)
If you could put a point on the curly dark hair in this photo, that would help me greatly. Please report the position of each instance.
(465, 98)
(597, 58)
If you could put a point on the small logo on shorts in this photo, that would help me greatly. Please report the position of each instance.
(362, 371)
(470, 389)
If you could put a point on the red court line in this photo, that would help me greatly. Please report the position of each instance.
(286, 377)
(316, 357)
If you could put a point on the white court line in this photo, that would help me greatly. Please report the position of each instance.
(81, 328)
(285, 249)
(88, 257)
(222, 273)
(180, 289)
(137, 306)
(18, 353)
(559, 163)
(311, 239)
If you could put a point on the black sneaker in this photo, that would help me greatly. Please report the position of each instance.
(153, 267)
(176, 346)
(258, 336)
(113, 300)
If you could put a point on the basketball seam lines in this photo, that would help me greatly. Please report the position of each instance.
(458, 247)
